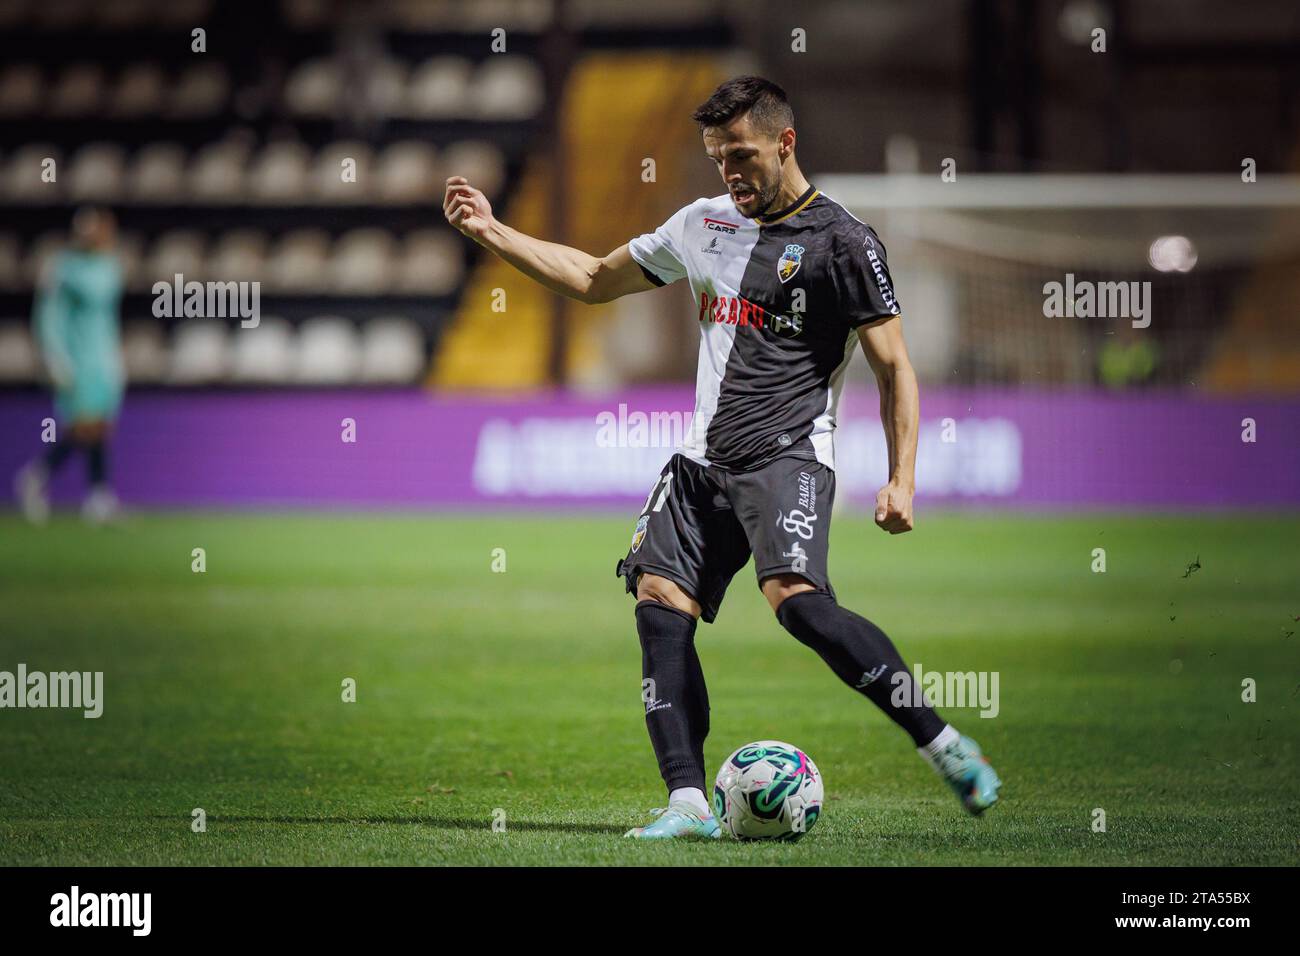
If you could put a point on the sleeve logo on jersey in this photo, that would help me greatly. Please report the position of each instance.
(789, 262)
(639, 534)
(886, 293)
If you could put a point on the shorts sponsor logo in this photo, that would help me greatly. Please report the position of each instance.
(800, 563)
(796, 522)
(807, 492)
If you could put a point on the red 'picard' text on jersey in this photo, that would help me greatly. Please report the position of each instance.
(780, 299)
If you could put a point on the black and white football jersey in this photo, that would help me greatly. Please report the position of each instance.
(780, 298)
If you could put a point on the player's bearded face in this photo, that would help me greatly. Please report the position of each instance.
(749, 164)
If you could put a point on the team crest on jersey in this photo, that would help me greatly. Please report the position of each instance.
(789, 262)
(639, 534)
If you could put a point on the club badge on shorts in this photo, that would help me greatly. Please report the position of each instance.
(789, 262)
(639, 534)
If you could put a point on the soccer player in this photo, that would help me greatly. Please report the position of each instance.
(76, 326)
(786, 281)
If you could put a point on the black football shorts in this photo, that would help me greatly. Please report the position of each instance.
(701, 523)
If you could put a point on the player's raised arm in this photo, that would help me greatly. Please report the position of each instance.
(900, 412)
(561, 269)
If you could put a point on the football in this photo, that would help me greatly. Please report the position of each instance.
(768, 790)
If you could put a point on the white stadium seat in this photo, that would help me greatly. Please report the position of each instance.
(78, 91)
(19, 361)
(439, 88)
(238, 256)
(22, 88)
(157, 173)
(97, 172)
(431, 263)
(328, 352)
(362, 263)
(264, 354)
(23, 170)
(140, 91)
(478, 161)
(144, 351)
(177, 251)
(507, 88)
(11, 262)
(199, 91)
(314, 87)
(279, 174)
(217, 173)
(385, 88)
(298, 261)
(200, 352)
(408, 172)
(327, 181)
(392, 351)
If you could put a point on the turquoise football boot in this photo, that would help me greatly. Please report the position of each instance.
(970, 774)
(678, 820)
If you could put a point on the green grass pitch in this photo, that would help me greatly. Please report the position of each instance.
(520, 692)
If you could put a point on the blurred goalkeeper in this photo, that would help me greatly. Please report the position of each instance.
(76, 320)
(788, 284)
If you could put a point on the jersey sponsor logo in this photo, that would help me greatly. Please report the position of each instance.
(718, 225)
(737, 310)
(712, 248)
(789, 262)
(886, 293)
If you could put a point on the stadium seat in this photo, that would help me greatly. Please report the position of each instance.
(177, 251)
(328, 352)
(239, 256)
(217, 173)
(408, 172)
(139, 92)
(279, 174)
(298, 261)
(78, 91)
(19, 361)
(385, 87)
(439, 88)
(432, 263)
(200, 91)
(157, 173)
(314, 87)
(362, 262)
(125, 14)
(477, 160)
(11, 262)
(392, 351)
(264, 354)
(97, 172)
(130, 253)
(21, 90)
(41, 253)
(200, 352)
(23, 169)
(327, 181)
(507, 88)
(144, 352)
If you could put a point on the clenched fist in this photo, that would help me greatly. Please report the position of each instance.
(466, 208)
(894, 509)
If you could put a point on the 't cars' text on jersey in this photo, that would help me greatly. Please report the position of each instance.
(780, 299)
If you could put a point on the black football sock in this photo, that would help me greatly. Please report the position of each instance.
(862, 656)
(676, 700)
(57, 455)
(97, 463)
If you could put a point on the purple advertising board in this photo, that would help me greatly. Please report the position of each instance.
(413, 449)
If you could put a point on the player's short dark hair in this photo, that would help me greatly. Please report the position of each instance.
(763, 100)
